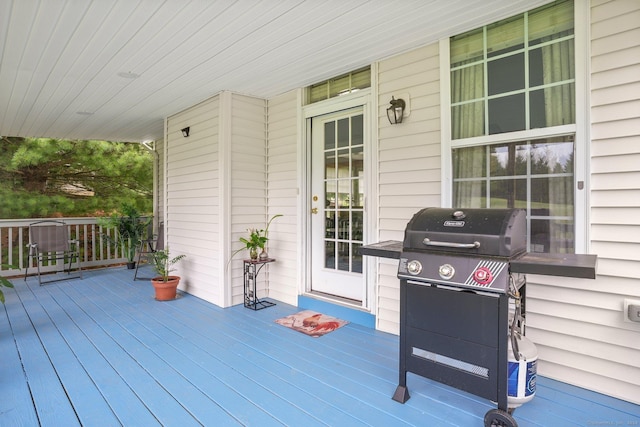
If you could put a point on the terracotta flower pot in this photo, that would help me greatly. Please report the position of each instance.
(165, 291)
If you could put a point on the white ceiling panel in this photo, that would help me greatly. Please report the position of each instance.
(113, 69)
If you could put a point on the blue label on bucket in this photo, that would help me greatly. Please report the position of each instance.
(512, 380)
(532, 373)
(529, 386)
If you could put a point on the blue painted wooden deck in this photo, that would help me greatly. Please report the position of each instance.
(102, 352)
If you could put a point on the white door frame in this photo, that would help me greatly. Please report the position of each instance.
(365, 99)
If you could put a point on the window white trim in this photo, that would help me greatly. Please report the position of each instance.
(445, 124)
(582, 17)
(581, 127)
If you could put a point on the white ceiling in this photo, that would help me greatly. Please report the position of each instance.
(113, 69)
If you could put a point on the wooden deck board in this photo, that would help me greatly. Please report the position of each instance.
(29, 324)
(91, 406)
(16, 406)
(101, 351)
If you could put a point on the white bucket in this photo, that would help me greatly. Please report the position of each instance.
(522, 373)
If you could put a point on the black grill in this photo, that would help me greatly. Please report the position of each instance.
(454, 297)
(462, 274)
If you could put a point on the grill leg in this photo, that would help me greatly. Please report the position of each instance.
(402, 392)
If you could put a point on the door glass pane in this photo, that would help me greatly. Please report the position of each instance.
(357, 130)
(357, 194)
(356, 262)
(330, 254)
(344, 194)
(330, 224)
(356, 226)
(357, 162)
(343, 225)
(330, 164)
(330, 194)
(343, 163)
(344, 256)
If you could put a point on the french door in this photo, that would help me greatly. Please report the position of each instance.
(337, 204)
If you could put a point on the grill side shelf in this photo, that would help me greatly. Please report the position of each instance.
(580, 266)
(387, 249)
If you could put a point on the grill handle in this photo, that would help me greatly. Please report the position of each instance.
(473, 245)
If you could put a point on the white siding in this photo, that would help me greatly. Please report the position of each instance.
(247, 198)
(192, 199)
(408, 161)
(216, 190)
(282, 175)
(578, 325)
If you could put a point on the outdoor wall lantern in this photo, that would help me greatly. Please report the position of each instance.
(395, 113)
(185, 132)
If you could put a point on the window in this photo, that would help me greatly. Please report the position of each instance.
(533, 175)
(513, 115)
(341, 85)
(513, 75)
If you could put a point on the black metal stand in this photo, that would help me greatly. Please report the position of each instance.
(252, 268)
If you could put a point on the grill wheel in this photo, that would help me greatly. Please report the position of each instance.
(499, 418)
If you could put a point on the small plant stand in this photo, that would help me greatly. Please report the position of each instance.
(252, 268)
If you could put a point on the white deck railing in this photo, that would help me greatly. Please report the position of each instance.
(95, 249)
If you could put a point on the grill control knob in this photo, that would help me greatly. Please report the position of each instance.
(483, 276)
(446, 271)
(414, 267)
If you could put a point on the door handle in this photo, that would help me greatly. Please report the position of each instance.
(314, 210)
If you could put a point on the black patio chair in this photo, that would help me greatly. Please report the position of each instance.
(149, 245)
(49, 243)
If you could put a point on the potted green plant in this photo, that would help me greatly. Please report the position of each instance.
(130, 227)
(165, 285)
(257, 240)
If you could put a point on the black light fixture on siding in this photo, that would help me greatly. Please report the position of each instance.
(185, 132)
(395, 113)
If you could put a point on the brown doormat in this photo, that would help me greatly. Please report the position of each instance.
(311, 323)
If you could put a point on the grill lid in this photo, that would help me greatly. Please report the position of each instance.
(487, 232)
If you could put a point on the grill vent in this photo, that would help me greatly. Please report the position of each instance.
(452, 363)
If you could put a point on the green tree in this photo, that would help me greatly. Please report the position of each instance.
(44, 177)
